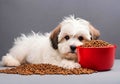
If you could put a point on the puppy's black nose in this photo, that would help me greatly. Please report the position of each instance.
(73, 48)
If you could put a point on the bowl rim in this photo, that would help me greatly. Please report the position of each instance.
(111, 46)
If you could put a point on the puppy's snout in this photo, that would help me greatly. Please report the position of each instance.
(73, 48)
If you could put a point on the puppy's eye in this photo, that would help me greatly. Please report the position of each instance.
(80, 38)
(67, 37)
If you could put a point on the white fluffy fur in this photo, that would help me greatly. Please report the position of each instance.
(36, 48)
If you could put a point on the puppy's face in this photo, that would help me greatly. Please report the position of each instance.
(70, 34)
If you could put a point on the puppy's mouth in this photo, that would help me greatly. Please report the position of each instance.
(72, 52)
(70, 56)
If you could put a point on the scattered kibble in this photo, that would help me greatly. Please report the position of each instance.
(45, 69)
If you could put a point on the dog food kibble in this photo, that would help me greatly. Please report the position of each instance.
(96, 43)
(44, 69)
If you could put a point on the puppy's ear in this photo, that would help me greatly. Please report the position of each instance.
(54, 37)
(94, 32)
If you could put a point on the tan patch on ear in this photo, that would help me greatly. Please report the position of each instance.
(54, 37)
(95, 33)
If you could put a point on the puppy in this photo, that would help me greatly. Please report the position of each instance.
(57, 47)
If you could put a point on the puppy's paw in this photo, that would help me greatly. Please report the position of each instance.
(69, 64)
(9, 60)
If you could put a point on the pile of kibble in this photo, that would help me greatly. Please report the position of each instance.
(45, 69)
(96, 43)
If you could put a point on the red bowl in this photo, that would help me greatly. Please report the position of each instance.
(99, 59)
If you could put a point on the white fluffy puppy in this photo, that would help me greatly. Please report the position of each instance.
(57, 47)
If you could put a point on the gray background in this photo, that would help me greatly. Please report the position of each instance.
(22, 16)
